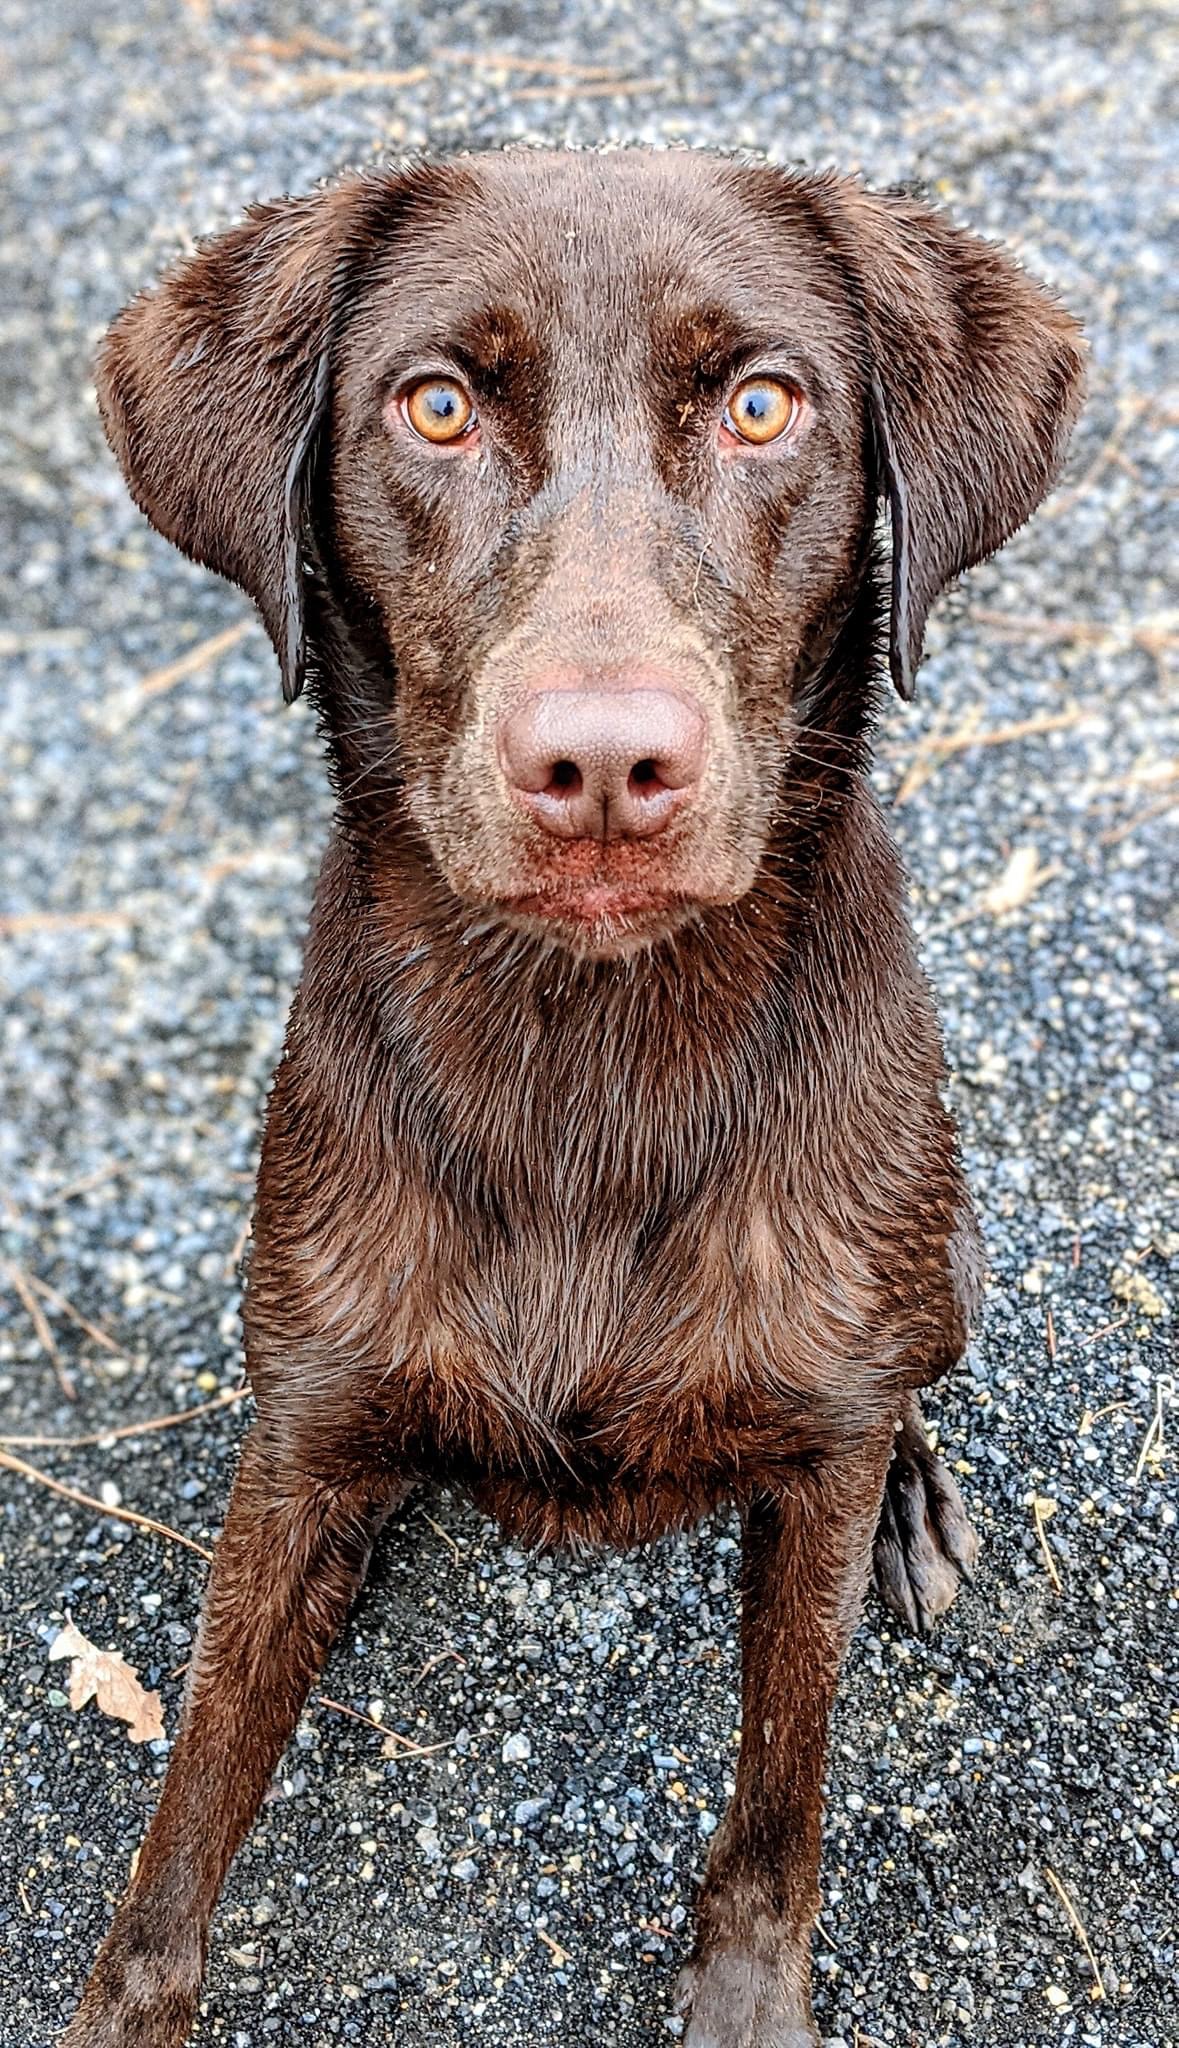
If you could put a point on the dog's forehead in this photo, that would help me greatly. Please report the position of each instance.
(541, 245)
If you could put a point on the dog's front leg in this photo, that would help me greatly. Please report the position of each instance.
(808, 1552)
(291, 1556)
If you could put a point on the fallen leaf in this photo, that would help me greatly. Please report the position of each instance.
(105, 1677)
(1018, 882)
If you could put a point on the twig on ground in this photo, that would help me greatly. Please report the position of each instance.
(246, 857)
(1041, 1510)
(1027, 119)
(1130, 408)
(1157, 634)
(937, 747)
(178, 799)
(506, 60)
(443, 1657)
(1019, 729)
(1106, 1330)
(99, 1507)
(408, 1747)
(1092, 1415)
(61, 921)
(239, 1244)
(318, 85)
(87, 1181)
(173, 672)
(1154, 1442)
(1078, 1929)
(928, 755)
(66, 1308)
(1153, 633)
(302, 42)
(150, 1427)
(22, 1287)
(560, 1956)
(447, 1538)
(1123, 831)
(51, 639)
(622, 88)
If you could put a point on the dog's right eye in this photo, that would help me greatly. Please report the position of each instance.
(438, 410)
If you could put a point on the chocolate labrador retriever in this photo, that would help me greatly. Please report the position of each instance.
(606, 1172)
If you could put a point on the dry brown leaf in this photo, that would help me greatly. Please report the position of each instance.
(105, 1677)
(1018, 882)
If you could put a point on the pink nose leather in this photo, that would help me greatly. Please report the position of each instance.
(603, 763)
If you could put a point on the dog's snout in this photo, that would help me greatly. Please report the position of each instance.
(590, 762)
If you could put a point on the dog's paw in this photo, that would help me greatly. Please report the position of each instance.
(734, 1999)
(137, 1998)
(925, 1545)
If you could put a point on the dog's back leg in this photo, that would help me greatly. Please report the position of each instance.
(925, 1545)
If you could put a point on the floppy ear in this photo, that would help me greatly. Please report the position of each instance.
(975, 380)
(212, 387)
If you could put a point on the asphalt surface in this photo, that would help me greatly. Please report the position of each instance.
(530, 1881)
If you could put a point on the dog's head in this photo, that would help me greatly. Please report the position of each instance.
(566, 467)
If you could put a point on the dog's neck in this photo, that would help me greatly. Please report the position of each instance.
(647, 1075)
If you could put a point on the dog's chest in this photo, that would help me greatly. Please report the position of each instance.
(611, 1370)
(580, 1361)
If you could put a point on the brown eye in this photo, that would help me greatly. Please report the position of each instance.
(760, 410)
(438, 409)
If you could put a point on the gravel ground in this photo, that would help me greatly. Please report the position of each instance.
(530, 1880)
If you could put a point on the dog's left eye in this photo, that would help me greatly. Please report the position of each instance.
(439, 409)
(760, 410)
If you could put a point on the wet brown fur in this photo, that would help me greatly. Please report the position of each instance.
(606, 1224)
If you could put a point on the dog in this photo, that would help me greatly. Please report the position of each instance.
(606, 1172)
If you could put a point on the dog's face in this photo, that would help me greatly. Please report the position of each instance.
(597, 462)
(588, 451)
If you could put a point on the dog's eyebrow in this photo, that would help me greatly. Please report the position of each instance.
(494, 345)
(709, 347)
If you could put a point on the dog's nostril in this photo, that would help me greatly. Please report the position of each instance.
(604, 763)
(644, 779)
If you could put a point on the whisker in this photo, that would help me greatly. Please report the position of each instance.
(363, 725)
(371, 768)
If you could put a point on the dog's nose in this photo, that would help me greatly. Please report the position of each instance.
(594, 763)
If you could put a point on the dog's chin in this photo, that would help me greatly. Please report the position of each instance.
(601, 920)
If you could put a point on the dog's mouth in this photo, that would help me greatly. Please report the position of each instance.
(599, 899)
(590, 903)
(600, 917)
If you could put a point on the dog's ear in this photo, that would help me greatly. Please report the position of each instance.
(975, 379)
(212, 387)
